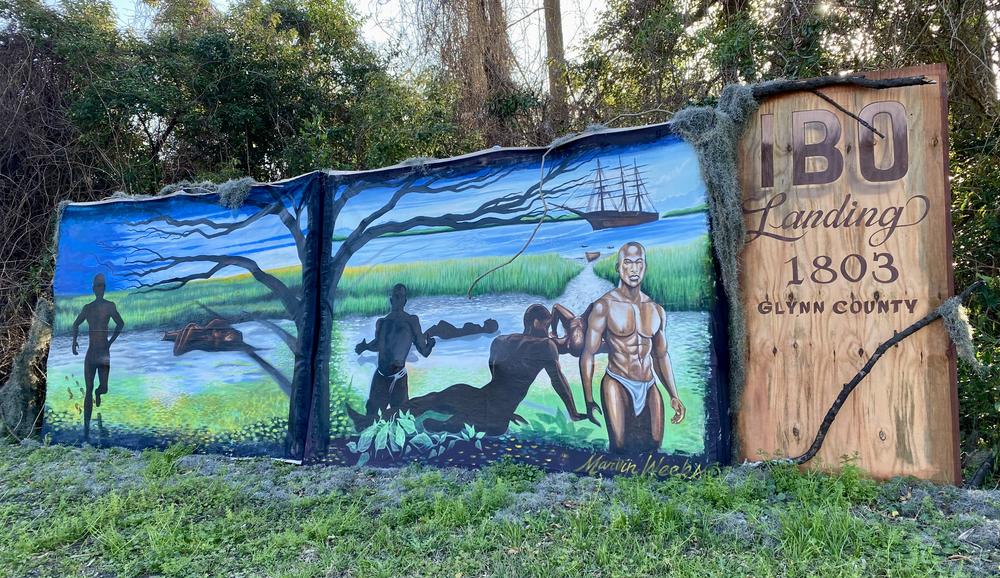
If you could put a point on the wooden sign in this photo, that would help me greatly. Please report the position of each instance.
(848, 241)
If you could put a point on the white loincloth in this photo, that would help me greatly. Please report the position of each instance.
(395, 377)
(637, 389)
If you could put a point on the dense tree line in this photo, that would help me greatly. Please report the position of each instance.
(273, 88)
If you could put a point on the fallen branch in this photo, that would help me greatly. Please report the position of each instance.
(860, 120)
(776, 87)
(283, 382)
(851, 385)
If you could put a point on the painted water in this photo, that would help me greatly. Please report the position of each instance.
(151, 389)
(222, 393)
(465, 360)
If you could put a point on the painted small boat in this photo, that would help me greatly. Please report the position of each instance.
(592, 255)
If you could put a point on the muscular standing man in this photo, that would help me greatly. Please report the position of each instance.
(394, 334)
(632, 325)
(97, 314)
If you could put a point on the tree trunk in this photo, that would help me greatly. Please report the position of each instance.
(308, 436)
(558, 104)
(965, 27)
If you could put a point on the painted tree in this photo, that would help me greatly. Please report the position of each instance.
(309, 406)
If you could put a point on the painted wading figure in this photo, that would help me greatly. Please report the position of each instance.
(394, 335)
(631, 325)
(97, 361)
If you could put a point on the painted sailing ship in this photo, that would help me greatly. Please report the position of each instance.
(617, 200)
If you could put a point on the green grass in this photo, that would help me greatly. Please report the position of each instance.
(363, 290)
(84, 512)
(702, 208)
(679, 277)
(226, 408)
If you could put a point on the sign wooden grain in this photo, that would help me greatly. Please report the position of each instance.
(848, 241)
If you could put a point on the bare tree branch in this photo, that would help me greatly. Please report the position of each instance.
(192, 226)
(851, 385)
(292, 223)
(278, 289)
(283, 382)
(512, 203)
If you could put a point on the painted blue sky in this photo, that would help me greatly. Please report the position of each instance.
(671, 173)
(98, 237)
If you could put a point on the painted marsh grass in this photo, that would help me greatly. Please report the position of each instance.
(679, 277)
(362, 290)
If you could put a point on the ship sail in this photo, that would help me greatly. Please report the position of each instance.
(618, 198)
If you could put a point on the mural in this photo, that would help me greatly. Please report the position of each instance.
(595, 350)
(187, 314)
(555, 307)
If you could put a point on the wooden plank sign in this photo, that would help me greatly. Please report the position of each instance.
(848, 241)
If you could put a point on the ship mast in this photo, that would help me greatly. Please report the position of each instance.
(596, 198)
(621, 172)
(638, 194)
(600, 184)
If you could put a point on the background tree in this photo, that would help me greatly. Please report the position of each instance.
(558, 114)
(472, 49)
(265, 89)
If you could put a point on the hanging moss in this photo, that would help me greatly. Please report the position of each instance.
(232, 193)
(956, 321)
(20, 409)
(715, 133)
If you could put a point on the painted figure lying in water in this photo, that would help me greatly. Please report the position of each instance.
(216, 335)
(515, 360)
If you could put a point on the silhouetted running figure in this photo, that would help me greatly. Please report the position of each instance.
(97, 361)
(394, 335)
(515, 361)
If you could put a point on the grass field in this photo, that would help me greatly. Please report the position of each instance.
(113, 513)
(362, 290)
(225, 409)
(688, 211)
(679, 277)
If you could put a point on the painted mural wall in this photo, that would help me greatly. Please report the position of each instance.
(176, 321)
(416, 335)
